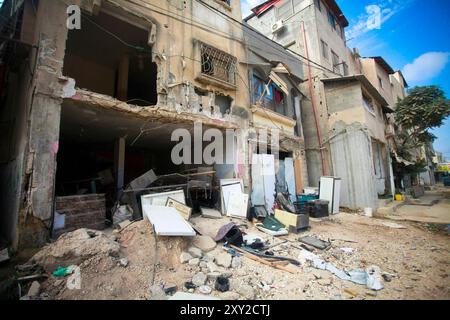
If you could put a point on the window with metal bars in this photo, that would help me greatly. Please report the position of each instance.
(218, 64)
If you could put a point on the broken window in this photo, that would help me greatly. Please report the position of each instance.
(224, 103)
(112, 57)
(367, 102)
(268, 94)
(218, 64)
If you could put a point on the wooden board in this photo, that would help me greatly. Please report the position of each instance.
(182, 209)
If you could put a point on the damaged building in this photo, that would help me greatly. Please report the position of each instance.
(347, 111)
(89, 110)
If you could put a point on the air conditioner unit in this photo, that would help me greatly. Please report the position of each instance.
(277, 26)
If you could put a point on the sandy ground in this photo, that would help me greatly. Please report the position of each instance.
(425, 213)
(417, 255)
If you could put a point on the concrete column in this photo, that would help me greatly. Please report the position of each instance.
(119, 166)
(45, 113)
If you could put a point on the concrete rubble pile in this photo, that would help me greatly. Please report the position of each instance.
(228, 257)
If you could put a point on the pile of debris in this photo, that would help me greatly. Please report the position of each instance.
(176, 253)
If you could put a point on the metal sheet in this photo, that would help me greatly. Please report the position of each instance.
(257, 181)
(269, 180)
(289, 174)
(224, 194)
(167, 221)
(237, 205)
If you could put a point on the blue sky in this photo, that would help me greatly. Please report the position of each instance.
(414, 37)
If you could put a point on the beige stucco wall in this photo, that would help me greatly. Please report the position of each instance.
(372, 70)
(345, 104)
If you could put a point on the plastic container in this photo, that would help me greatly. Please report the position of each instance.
(306, 197)
(319, 208)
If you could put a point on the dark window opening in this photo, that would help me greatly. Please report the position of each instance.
(335, 59)
(331, 20)
(112, 57)
(345, 67)
(224, 103)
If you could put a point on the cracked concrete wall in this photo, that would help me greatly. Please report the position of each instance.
(45, 112)
(179, 26)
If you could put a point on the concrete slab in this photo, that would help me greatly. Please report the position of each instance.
(438, 213)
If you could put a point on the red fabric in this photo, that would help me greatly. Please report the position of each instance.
(278, 96)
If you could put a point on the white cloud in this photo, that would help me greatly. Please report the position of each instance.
(426, 67)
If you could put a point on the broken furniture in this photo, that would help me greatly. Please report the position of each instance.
(330, 190)
(200, 181)
(135, 189)
(167, 221)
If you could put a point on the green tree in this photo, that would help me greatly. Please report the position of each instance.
(423, 109)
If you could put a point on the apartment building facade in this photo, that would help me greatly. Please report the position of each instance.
(347, 113)
(315, 31)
